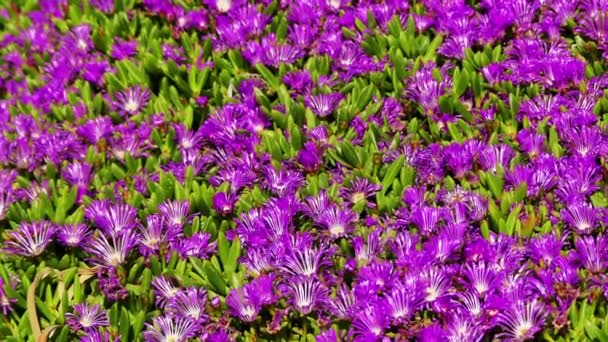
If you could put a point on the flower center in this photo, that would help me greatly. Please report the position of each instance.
(132, 105)
(224, 5)
(357, 197)
(336, 229)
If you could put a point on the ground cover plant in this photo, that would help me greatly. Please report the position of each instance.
(307, 170)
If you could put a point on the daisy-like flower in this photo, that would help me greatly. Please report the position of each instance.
(223, 203)
(481, 278)
(99, 336)
(5, 301)
(359, 190)
(435, 284)
(305, 262)
(87, 318)
(73, 235)
(367, 251)
(402, 302)
(164, 290)
(378, 275)
(275, 53)
(123, 49)
(155, 234)
(174, 212)
(323, 104)
(314, 206)
(306, 294)
(113, 219)
(78, 174)
(310, 157)
(344, 305)
(264, 289)
(6, 198)
(189, 304)
(198, 245)
(426, 219)
(369, 324)
(582, 217)
(496, 155)
(170, 329)
(278, 218)
(522, 320)
(131, 101)
(95, 129)
(243, 304)
(338, 222)
(591, 253)
(112, 251)
(30, 239)
(462, 329)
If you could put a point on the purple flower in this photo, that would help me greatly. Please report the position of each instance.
(174, 212)
(370, 322)
(87, 318)
(582, 217)
(425, 89)
(30, 239)
(338, 222)
(402, 302)
(282, 182)
(481, 278)
(360, 189)
(435, 284)
(106, 6)
(223, 6)
(243, 304)
(306, 262)
(96, 129)
(124, 49)
(198, 245)
(110, 285)
(167, 328)
(73, 235)
(5, 301)
(306, 294)
(156, 235)
(591, 253)
(189, 304)
(299, 81)
(164, 291)
(496, 155)
(426, 219)
(462, 328)
(113, 250)
(131, 101)
(310, 157)
(6, 199)
(113, 219)
(323, 104)
(223, 203)
(314, 206)
(98, 336)
(78, 40)
(522, 320)
(276, 53)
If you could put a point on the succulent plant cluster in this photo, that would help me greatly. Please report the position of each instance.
(329, 170)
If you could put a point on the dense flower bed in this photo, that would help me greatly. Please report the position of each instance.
(303, 170)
